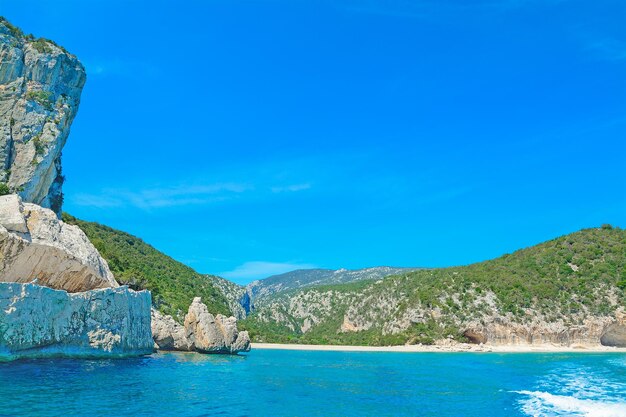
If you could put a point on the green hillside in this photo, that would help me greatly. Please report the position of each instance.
(140, 266)
(568, 279)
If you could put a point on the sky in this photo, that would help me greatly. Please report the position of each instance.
(249, 138)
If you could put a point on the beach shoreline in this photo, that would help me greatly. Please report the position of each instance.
(461, 347)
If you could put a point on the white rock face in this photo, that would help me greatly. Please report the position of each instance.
(202, 332)
(55, 254)
(40, 87)
(38, 321)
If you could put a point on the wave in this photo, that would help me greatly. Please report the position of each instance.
(544, 404)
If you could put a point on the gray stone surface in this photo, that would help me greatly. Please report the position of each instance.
(37, 321)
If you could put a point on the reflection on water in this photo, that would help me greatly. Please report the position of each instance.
(192, 357)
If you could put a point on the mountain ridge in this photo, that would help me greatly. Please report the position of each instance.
(262, 289)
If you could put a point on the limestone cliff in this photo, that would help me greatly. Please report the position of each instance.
(40, 88)
(38, 321)
(57, 294)
(36, 245)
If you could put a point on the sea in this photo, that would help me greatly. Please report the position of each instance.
(319, 383)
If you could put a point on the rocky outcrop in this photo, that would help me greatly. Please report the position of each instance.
(37, 321)
(615, 335)
(213, 334)
(202, 332)
(40, 88)
(36, 245)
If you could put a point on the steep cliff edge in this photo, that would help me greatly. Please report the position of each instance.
(40, 88)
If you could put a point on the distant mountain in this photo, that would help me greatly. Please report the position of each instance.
(568, 291)
(261, 290)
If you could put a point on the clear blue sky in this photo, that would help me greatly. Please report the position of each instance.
(250, 138)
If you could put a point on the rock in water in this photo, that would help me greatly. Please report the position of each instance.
(202, 332)
(38, 321)
(36, 245)
(40, 88)
(213, 334)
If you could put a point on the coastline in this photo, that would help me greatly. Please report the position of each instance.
(453, 348)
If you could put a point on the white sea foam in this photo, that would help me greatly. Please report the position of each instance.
(544, 404)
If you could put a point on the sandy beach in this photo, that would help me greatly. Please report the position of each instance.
(461, 347)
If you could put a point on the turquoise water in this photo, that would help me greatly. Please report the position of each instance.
(298, 383)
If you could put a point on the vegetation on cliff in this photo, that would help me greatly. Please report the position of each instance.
(140, 266)
(42, 45)
(566, 280)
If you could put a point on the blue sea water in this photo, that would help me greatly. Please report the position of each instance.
(309, 383)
